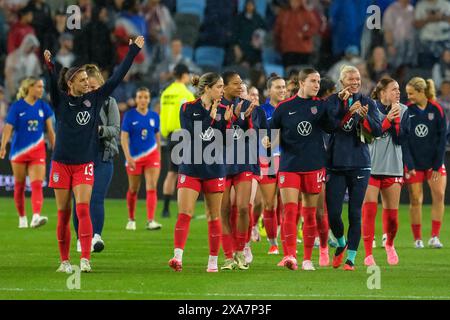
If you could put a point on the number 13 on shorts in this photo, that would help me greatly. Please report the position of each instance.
(89, 170)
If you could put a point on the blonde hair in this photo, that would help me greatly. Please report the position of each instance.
(206, 80)
(94, 72)
(427, 86)
(347, 69)
(25, 85)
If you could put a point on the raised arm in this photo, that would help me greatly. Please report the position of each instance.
(54, 90)
(122, 69)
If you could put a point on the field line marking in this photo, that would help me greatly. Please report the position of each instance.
(247, 295)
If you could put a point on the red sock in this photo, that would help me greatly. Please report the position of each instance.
(417, 231)
(256, 215)
(227, 245)
(270, 223)
(279, 210)
(214, 235)
(181, 230)
(250, 222)
(241, 238)
(435, 228)
(84, 229)
(322, 228)
(63, 233)
(19, 197)
(131, 204)
(309, 230)
(299, 212)
(392, 225)
(290, 227)
(37, 196)
(283, 239)
(369, 213)
(233, 224)
(385, 220)
(152, 200)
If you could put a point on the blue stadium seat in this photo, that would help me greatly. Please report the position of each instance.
(209, 56)
(261, 7)
(196, 7)
(270, 55)
(270, 68)
(188, 52)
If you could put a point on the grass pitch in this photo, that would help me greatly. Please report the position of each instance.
(134, 264)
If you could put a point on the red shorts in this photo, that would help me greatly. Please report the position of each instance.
(268, 176)
(67, 176)
(32, 157)
(422, 175)
(238, 178)
(197, 184)
(384, 182)
(307, 182)
(150, 161)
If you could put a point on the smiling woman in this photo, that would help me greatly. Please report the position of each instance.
(77, 113)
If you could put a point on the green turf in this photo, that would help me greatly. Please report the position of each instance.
(134, 265)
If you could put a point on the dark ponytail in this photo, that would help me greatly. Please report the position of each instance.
(67, 75)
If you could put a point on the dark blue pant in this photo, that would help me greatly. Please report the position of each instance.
(356, 182)
(103, 172)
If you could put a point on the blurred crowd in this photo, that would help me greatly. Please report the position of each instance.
(254, 37)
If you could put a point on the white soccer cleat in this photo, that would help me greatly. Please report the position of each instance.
(418, 244)
(383, 240)
(65, 267)
(316, 242)
(97, 243)
(248, 255)
(435, 243)
(131, 225)
(255, 234)
(153, 225)
(85, 266)
(78, 245)
(23, 222)
(38, 221)
(307, 265)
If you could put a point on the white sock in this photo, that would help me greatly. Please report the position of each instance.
(36, 215)
(178, 254)
(212, 261)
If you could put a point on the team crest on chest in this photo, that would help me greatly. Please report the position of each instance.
(87, 103)
(41, 113)
(152, 122)
(314, 110)
(430, 116)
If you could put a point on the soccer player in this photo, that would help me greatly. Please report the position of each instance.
(77, 113)
(239, 175)
(386, 176)
(349, 162)
(26, 120)
(276, 87)
(141, 144)
(108, 133)
(171, 100)
(301, 120)
(426, 145)
(207, 114)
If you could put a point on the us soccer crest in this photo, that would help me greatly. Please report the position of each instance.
(182, 178)
(55, 177)
(314, 110)
(282, 179)
(87, 103)
(152, 122)
(41, 113)
(430, 116)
